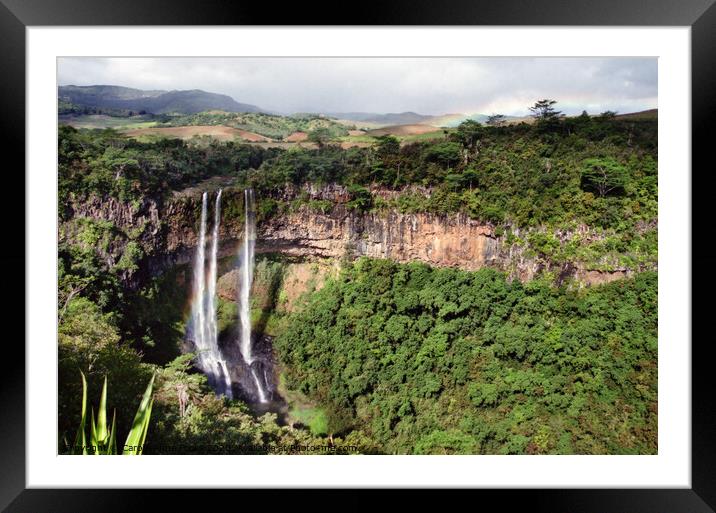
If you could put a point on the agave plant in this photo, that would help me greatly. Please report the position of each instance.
(103, 439)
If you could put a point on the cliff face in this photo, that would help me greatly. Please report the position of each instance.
(440, 241)
(168, 233)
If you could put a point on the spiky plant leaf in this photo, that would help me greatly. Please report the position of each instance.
(141, 421)
(102, 434)
(93, 433)
(146, 425)
(80, 440)
(112, 443)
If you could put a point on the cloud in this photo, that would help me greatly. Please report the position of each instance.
(425, 85)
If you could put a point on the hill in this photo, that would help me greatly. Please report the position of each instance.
(268, 125)
(377, 120)
(117, 98)
(390, 118)
(644, 114)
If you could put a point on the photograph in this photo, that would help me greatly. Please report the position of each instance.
(357, 255)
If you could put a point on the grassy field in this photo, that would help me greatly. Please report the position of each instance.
(102, 121)
(404, 138)
(350, 124)
(427, 136)
(221, 133)
(147, 130)
(402, 130)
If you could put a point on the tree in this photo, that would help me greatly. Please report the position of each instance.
(496, 120)
(361, 198)
(387, 146)
(320, 136)
(608, 114)
(445, 153)
(454, 181)
(471, 177)
(603, 175)
(543, 110)
(468, 134)
(89, 341)
(388, 150)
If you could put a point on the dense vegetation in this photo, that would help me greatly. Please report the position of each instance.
(447, 361)
(522, 173)
(601, 172)
(105, 163)
(129, 335)
(66, 108)
(392, 358)
(108, 330)
(90, 342)
(552, 179)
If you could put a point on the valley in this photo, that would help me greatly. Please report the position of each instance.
(360, 284)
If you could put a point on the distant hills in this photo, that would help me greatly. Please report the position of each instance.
(643, 114)
(393, 118)
(109, 97)
(216, 108)
(119, 100)
(411, 118)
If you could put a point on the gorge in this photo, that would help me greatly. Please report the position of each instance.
(192, 229)
(397, 298)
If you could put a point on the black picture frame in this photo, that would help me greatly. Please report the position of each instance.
(700, 15)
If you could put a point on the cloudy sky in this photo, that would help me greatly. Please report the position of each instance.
(423, 85)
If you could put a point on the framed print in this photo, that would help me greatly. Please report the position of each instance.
(426, 250)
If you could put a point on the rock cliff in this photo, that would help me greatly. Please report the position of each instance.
(437, 240)
(167, 231)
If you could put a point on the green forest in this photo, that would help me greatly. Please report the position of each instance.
(385, 358)
(442, 361)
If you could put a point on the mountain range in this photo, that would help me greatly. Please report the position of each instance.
(127, 99)
(392, 118)
(154, 101)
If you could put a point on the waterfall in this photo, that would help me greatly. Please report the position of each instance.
(211, 292)
(245, 280)
(212, 300)
(246, 276)
(203, 325)
(197, 331)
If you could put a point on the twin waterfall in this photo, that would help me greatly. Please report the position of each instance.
(202, 329)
